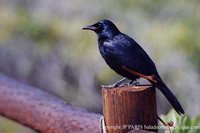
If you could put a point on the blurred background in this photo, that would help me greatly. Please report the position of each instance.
(41, 44)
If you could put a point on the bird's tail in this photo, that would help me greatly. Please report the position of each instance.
(170, 97)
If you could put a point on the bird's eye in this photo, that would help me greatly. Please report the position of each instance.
(100, 26)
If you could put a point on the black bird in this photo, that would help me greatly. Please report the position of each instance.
(126, 57)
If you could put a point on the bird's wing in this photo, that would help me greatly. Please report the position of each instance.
(134, 57)
(151, 78)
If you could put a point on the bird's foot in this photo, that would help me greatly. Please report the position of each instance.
(108, 86)
(117, 84)
(133, 83)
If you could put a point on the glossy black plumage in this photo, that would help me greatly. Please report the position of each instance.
(120, 50)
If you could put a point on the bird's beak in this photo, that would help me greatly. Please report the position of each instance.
(90, 27)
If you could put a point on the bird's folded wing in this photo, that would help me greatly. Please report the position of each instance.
(151, 78)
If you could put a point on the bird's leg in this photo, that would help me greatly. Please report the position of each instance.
(118, 83)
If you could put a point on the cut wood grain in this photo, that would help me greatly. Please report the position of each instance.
(129, 108)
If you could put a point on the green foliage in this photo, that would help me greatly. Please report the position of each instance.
(38, 32)
(182, 124)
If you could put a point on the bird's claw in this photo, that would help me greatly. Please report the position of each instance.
(110, 86)
(121, 84)
(117, 84)
(133, 83)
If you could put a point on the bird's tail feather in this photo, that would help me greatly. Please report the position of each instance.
(170, 97)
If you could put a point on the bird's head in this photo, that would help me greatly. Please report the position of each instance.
(103, 28)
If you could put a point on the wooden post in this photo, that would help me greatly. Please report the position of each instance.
(129, 108)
